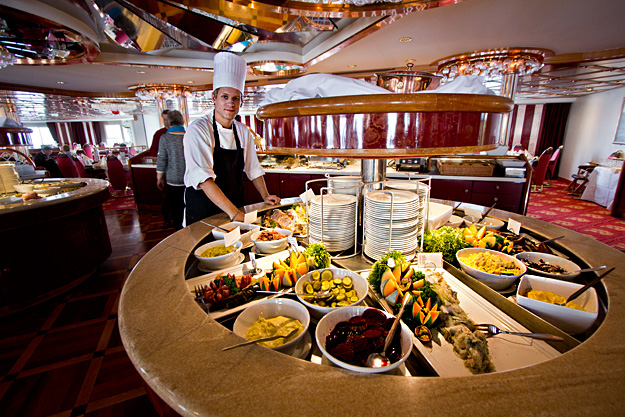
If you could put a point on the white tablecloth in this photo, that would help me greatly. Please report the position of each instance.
(601, 186)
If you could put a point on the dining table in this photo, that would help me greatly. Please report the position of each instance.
(601, 187)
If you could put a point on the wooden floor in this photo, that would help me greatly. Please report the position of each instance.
(65, 357)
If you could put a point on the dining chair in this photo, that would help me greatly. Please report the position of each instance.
(82, 171)
(88, 151)
(538, 178)
(116, 174)
(67, 166)
(551, 167)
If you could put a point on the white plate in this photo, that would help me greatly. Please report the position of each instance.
(507, 352)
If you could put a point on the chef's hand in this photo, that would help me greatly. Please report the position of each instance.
(272, 199)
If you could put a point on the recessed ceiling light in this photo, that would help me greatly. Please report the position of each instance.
(60, 82)
(589, 89)
(405, 39)
(140, 72)
(352, 66)
(190, 81)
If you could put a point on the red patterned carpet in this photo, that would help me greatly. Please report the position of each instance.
(121, 201)
(555, 206)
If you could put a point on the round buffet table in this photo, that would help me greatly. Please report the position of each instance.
(176, 348)
(51, 244)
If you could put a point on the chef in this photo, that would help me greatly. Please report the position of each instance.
(219, 149)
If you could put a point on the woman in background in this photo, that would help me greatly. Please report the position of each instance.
(170, 169)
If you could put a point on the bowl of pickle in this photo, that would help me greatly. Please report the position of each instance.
(325, 290)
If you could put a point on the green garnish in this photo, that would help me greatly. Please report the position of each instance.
(447, 240)
(378, 268)
(319, 253)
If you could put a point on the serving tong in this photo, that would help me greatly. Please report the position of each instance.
(492, 330)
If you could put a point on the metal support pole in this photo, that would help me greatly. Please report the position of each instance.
(508, 89)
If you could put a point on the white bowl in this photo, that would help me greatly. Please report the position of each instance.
(271, 246)
(496, 282)
(330, 320)
(44, 192)
(551, 259)
(23, 188)
(489, 222)
(438, 215)
(218, 262)
(246, 230)
(567, 319)
(454, 221)
(273, 308)
(361, 286)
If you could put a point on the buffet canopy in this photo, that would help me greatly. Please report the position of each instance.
(385, 125)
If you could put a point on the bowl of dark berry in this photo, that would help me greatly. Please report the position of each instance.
(548, 265)
(348, 335)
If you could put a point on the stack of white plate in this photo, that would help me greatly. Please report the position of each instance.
(8, 177)
(339, 221)
(397, 223)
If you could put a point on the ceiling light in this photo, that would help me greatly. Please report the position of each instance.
(278, 68)
(405, 39)
(190, 82)
(352, 66)
(162, 91)
(141, 72)
(493, 63)
(60, 82)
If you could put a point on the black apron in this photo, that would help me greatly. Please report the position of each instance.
(228, 166)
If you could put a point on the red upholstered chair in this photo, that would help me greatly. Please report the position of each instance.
(132, 151)
(538, 178)
(67, 166)
(551, 168)
(82, 172)
(88, 151)
(116, 174)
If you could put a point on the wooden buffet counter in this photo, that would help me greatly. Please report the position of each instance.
(52, 244)
(176, 348)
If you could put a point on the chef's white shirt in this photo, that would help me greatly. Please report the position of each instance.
(199, 144)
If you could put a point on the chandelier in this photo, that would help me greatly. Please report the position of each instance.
(112, 105)
(6, 58)
(493, 63)
(160, 91)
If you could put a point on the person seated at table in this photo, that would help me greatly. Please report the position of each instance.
(80, 154)
(44, 159)
(67, 150)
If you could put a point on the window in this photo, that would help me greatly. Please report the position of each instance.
(113, 134)
(41, 136)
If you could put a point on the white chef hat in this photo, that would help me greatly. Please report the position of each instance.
(229, 71)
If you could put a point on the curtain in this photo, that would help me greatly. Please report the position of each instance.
(97, 130)
(54, 131)
(77, 133)
(553, 126)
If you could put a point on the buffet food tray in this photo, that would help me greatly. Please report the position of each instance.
(507, 352)
(265, 263)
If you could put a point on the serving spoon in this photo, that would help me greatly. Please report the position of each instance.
(379, 359)
(585, 287)
(262, 339)
(576, 271)
(320, 296)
